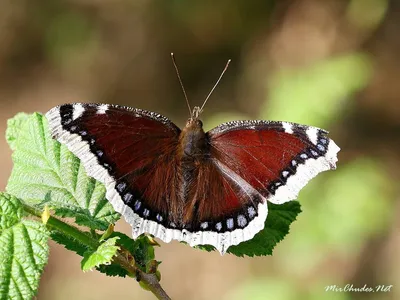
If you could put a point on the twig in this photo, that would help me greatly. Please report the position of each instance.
(150, 279)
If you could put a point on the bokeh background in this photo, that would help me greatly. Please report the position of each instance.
(334, 64)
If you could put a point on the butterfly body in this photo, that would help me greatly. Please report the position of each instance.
(191, 185)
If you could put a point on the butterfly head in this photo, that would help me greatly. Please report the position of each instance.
(194, 127)
(194, 124)
(193, 138)
(194, 121)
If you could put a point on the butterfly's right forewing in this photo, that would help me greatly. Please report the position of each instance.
(132, 152)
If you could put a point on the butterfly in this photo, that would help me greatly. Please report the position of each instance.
(187, 184)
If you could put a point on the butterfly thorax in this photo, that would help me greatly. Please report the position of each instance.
(193, 141)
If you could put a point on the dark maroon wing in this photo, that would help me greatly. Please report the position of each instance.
(131, 151)
(277, 159)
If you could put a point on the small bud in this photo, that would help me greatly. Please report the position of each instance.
(152, 241)
(144, 286)
(45, 215)
(158, 275)
(152, 266)
(107, 233)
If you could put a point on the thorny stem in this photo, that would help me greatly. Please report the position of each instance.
(150, 280)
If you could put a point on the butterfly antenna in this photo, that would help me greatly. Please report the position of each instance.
(180, 81)
(215, 85)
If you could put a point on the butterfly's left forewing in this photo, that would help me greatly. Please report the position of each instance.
(277, 159)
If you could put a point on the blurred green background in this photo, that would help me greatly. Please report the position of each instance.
(332, 64)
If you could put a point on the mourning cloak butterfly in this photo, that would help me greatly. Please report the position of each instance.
(190, 185)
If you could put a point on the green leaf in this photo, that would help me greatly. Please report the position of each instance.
(23, 251)
(141, 249)
(46, 172)
(102, 256)
(80, 249)
(276, 228)
(124, 242)
(14, 127)
(113, 270)
(10, 211)
(143, 252)
(68, 242)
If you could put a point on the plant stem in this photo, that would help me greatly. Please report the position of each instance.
(65, 228)
(149, 279)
